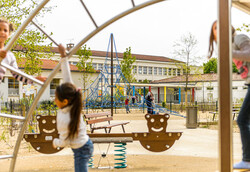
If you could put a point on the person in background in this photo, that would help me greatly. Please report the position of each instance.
(126, 105)
(149, 101)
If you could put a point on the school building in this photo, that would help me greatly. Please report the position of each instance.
(166, 75)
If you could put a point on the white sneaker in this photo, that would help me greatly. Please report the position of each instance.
(242, 165)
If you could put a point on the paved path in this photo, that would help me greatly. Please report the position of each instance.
(199, 142)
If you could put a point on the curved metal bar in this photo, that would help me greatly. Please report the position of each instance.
(25, 23)
(56, 69)
(31, 110)
(112, 20)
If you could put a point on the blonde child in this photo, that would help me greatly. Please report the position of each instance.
(8, 57)
(70, 124)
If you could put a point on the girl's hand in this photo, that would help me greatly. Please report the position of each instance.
(3, 54)
(62, 50)
(41, 78)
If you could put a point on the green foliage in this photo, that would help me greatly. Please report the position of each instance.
(84, 64)
(32, 41)
(245, 27)
(163, 104)
(211, 66)
(48, 105)
(145, 81)
(127, 65)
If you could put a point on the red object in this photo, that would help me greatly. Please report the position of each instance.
(241, 67)
(126, 102)
(149, 88)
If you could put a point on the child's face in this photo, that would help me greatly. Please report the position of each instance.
(215, 31)
(61, 104)
(4, 31)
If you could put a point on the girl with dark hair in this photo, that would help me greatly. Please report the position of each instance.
(70, 124)
(241, 57)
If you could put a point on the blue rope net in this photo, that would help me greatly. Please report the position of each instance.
(99, 92)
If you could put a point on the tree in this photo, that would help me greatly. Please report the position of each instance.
(127, 65)
(245, 27)
(211, 66)
(85, 66)
(32, 41)
(185, 50)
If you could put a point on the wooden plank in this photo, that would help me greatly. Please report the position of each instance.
(93, 121)
(225, 85)
(116, 124)
(96, 115)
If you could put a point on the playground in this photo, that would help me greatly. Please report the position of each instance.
(145, 141)
(196, 146)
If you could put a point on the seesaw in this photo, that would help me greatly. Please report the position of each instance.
(155, 140)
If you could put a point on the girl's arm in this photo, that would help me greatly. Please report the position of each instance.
(65, 65)
(243, 54)
(242, 42)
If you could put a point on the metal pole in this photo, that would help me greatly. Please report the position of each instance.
(112, 83)
(225, 85)
(144, 92)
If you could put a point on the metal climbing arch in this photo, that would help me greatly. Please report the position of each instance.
(56, 69)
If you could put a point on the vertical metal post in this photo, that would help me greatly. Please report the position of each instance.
(225, 85)
(144, 92)
(112, 83)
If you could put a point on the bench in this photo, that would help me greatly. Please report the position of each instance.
(235, 111)
(94, 119)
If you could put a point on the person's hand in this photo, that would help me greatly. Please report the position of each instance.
(62, 50)
(3, 54)
(41, 78)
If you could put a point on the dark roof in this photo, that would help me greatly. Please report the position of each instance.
(50, 65)
(196, 78)
(119, 55)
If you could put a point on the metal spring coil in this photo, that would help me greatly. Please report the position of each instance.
(91, 164)
(121, 155)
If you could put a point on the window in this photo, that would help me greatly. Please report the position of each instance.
(13, 86)
(94, 66)
(145, 70)
(164, 71)
(178, 72)
(53, 84)
(198, 88)
(245, 87)
(150, 70)
(234, 88)
(160, 71)
(140, 70)
(155, 70)
(210, 88)
(100, 66)
(174, 72)
(169, 71)
(184, 72)
(135, 70)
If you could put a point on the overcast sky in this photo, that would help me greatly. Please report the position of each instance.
(152, 30)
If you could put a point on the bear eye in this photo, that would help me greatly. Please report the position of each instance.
(152, 120)
(53, 121)
(161, 120)
(44, 121)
